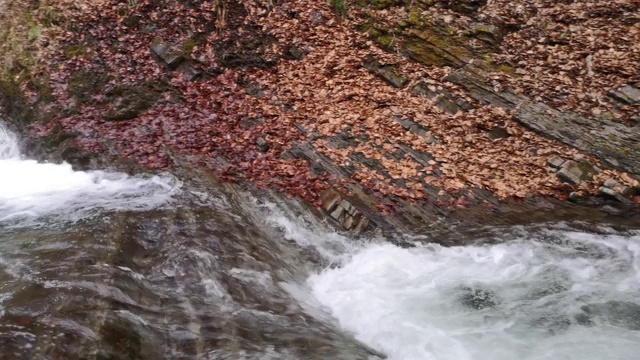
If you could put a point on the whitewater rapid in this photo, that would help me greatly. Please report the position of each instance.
(32, 190)
(555, 295)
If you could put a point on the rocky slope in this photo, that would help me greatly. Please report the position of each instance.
(380, 113)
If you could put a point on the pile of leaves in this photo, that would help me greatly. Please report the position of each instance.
(571, 53)
(274, 76)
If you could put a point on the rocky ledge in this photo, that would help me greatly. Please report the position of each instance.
(380, 114)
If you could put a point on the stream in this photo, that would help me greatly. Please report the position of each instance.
(105, 265)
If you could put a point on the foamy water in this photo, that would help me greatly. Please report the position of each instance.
(30, 190)
(565, 295)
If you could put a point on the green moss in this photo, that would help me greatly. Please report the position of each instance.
(434, 46)
(14, 103)
(379, 4)
(383, 37)
(607, 116)
(339, 6)
(34, 33)
(42, 85)
(415, 16)
(75, 50)
(49, 17)
(187, 47)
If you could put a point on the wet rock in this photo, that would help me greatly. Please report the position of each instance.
(342, 211)
(478, 299)
(444, 99)
(626, 94)
(190, 73)
(613, 143)
(127, 102)
(467, 7)
(623, 314)
(497, 133)
(611, 194)
(490, 34)
(555, 162)
(262, 144)
(479, 87)
(614, 190)
(386, 72)
(578, 197)
(170, 56)
(412, 126)
(296, 53)
(574, 172)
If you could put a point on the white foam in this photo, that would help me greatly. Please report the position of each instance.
(31, 190)
(408, 303)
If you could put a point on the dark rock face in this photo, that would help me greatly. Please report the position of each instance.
(386, 72)
(467, 7)
(442, 98)
(127, 102)
(170, 56)
(626, 94)
(613, 143)
(342, 211)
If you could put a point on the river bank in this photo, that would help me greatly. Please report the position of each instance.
(379, 115)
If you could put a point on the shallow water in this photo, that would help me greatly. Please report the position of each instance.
(110, 266)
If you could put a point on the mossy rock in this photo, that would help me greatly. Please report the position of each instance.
(75, 50)
(127, 102)
(15, 104)
(379, 4)
(382, 36)
(84, 85)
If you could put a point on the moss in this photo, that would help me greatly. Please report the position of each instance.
(415, 16)
(339, 6)
(379, 4)
(49, 17)
(607, 116)
(14, 103)
(383, 37)
(42, 85)
(433, 46)
(84, 85)
(187, 47)
(75, 50)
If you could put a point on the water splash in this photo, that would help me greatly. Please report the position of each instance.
(567, 295)
(31, 191)
(8, 144)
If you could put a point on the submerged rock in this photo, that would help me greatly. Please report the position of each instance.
(478, 299)
(623, 314)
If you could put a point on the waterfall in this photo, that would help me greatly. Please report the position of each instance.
(31, 190)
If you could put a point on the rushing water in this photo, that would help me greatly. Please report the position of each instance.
(109, 266)
(30, 190)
